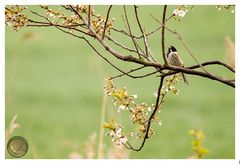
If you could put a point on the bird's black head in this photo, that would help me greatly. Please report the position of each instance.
(171, 49)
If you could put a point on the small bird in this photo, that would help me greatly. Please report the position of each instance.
(174, 59)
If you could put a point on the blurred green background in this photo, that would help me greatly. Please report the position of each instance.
(54, 83)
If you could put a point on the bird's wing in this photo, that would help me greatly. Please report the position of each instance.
(177, 61)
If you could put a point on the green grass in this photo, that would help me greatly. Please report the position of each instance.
(54, 83)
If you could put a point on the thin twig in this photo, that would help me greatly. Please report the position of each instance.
(123, 46)
(147, 50)
(47, 24)
(129, 30)
(132, 70)
(137, 47)
(89, 15)
(141, 29)
(163, 35)
(135, 77)
(105, 24)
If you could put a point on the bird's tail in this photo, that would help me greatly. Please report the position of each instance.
(185, 79)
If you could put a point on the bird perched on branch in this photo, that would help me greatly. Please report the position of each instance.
(174, 59)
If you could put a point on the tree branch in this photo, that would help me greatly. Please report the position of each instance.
(135, 77)
(105, 24)
(151, 117)
(89, 15)
(147, 50)
(198, 73)
(163, 35)
(212, 63)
